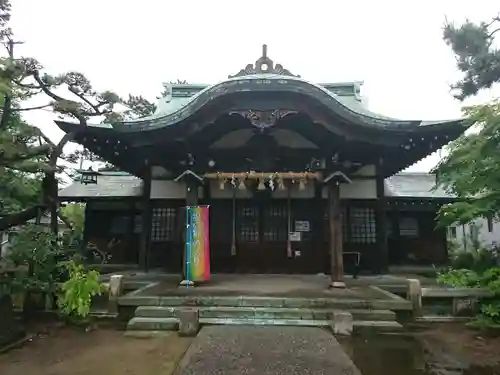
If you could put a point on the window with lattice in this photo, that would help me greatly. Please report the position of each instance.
(248, 224)
(275, 223)
(162, 224)
(362, 225)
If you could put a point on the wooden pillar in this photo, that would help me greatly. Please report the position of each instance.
(85, 234)
(396, 233)
(146, 220)
(319, 228)
(382, 260)
(335, 224)
(132, 254)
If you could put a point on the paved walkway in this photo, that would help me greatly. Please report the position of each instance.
(240, 350)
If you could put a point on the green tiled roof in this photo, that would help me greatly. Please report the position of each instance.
(414, 185)
(346, 93)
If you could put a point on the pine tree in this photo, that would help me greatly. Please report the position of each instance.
(23, 78)
(476, 55)
(471, 169)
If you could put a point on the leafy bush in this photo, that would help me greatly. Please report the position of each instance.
(76, 293)
(479, 260)
(465, 278)
(40, 252)
(458, 278)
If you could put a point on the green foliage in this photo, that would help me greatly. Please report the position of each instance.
(473, 45)
(39, 252)
(458, 278)
(75, 214)
(478, 260)
(76, 293)
(490, 279)
(471, 168)
(476, 267)
(19, 190)
(22, 163)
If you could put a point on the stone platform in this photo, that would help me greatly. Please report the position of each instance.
(263, 300)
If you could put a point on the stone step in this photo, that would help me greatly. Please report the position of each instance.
(276, 302)
(143, 324)
(367, 326)
(153, 324)
(264, 313)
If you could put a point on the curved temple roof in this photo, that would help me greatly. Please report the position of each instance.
(184, 100)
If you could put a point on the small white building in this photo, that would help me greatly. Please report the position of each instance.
(483, 231)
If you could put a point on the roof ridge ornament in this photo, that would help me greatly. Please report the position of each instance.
(264, 65)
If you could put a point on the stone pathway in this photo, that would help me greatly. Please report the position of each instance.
(245, 350)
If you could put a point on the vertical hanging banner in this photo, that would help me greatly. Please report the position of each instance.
(197, 244)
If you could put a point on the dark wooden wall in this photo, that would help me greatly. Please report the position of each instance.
(425, 246)
(261, 229)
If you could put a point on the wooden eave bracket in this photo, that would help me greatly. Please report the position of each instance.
(339, 176)
(188, 173)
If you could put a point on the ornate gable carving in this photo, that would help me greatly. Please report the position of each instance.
(264, 65)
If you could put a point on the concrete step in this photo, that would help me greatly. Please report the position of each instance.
(153, 324)
(264, 313)
(274, 302)
(367, 326)
(143, 324)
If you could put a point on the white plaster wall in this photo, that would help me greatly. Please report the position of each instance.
(163, 189)
(357, 189)
(486, 237)
(159, 172)
(367, 170)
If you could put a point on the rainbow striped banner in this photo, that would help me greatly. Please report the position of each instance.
(197, 244)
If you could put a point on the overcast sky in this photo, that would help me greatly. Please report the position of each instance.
(127, 46)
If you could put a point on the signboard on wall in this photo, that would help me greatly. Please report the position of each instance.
(295, 236)
(302, 226)
(197, 244)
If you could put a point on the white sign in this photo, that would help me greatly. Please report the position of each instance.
(302, 226)
(294, 236)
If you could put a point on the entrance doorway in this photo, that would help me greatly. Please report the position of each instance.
(260, 228)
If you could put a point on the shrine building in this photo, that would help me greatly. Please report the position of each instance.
(300, 178)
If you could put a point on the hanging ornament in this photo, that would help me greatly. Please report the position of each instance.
(222, 182)
(233, 239)
(261, 185)
(233, 181)
(271, 182)
(302, 184)
(281, 184)
(241, 185)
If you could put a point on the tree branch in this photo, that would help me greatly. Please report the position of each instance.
(32, 108)
(18, 218)
(19, 157)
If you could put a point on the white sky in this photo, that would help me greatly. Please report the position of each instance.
(127, 46)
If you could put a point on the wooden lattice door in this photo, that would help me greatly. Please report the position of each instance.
(248, 235)
(274, 236)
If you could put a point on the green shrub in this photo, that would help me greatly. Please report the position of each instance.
(490, 279)
(75, 297)
(40, 252)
